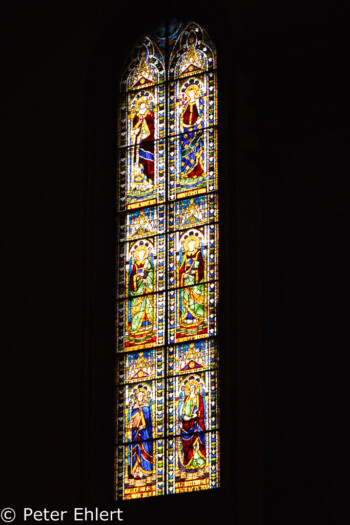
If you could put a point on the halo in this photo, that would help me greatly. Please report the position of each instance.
(191, 382)
(143, 248)
(142, 99)
(193, 87)
(191, 238)
(140, 390)
(192, 83)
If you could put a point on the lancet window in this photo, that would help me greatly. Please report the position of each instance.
(167, 411)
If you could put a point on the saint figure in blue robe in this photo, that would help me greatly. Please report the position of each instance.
(141, 430)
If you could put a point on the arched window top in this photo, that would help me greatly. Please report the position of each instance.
(146, 67)
(167, 427)
(166, 70)
(192, 52)
(170, 52)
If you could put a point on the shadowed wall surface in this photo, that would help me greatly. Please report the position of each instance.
(288, 129)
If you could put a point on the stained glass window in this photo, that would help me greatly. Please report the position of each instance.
(167, 392)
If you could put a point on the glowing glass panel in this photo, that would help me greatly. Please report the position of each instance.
(146, 67)
(193, 256)
(143, 116)
(192, 53)
(192, 103)
(140, 470)
(192, 404)
(141, 267)
(192, 312)
(140, 414)
(193, 356)
(140, 322)
(140, 366)
(193, 212)
(205, 475)
(167, 413)
(142, 175)
(192, 163)
(142, 222)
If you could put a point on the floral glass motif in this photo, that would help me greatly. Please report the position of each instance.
(167, 412)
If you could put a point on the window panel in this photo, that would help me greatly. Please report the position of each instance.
(192, 103)
(140, 470)
(140, 366)
(193, 212)
(192, 163)
(192, 404)
(167, 413)
(141, 222)
(193, 256)
(192, 356)
(146, 67)
(140, 414)
(192, 312)
(193, 464)
(142, 175)
(141, 266)
(140, 322)
(142, 116)
(192, 53)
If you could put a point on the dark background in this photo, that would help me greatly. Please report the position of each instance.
(285, 235)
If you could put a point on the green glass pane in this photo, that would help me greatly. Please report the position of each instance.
(140, 322)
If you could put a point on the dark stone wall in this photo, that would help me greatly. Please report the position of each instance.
(300, 97)
(285, 250)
